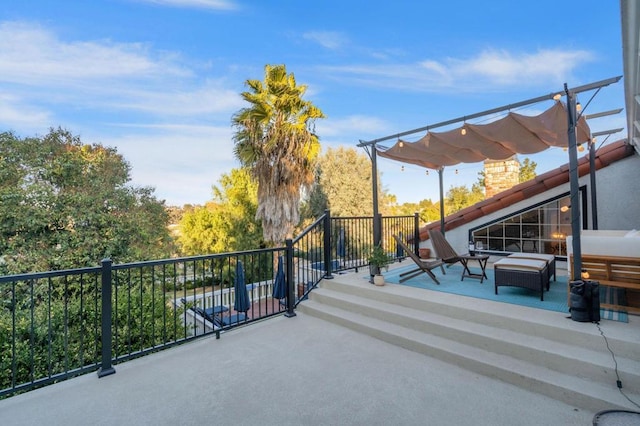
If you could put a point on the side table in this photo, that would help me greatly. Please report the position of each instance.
(482, 260)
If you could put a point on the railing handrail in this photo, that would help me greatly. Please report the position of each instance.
(109, 297)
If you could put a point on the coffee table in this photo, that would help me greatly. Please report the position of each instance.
(482, 260)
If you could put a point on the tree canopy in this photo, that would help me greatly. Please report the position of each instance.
(66, 204)
(228, 222)
(275, 139)
(342, 184)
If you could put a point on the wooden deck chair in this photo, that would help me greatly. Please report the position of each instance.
(443, 249)
(423, 266)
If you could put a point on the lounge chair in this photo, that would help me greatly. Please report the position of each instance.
(443, 249)
(220, 319)
(423, 266)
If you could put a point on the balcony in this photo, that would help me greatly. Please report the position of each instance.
(352, 353)
(306, 370)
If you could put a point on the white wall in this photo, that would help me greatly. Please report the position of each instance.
(618, 189)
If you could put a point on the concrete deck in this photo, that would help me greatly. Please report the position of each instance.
(289, 371)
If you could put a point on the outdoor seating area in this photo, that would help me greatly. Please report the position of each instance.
(612, 257)
(550, 259)
(443, 250)
(423, 266)
(526, 273)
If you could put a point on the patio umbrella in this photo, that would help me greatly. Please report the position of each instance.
(279, 284)
(242, 303)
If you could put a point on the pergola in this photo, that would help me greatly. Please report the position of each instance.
(562, 125)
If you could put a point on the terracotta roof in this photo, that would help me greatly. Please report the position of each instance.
(605, 156)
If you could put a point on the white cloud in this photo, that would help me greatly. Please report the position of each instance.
(15, 114)
(505, 68)
(197, 4)
(35, 56)
(99, 75)
(351, 125)
(488, 70)
(182, 162)
(327, 39)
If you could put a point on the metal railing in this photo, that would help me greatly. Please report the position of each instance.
(59, 324)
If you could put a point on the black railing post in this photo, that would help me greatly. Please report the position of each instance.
(377, 230)
(328, 266)
(291, 285)
(416, 233)
(106, 368)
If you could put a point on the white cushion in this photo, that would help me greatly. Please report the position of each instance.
(517, 264)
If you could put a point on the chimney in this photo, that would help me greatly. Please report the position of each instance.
(500, 175)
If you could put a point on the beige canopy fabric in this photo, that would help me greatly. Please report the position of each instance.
(498, 140)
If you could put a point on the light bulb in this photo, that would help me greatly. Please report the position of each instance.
(463, 131)
(400, 144)
(557, 97)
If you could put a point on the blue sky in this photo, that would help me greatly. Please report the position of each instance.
(160, 79)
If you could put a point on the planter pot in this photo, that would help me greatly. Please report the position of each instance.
(425, 253)
(378, 279)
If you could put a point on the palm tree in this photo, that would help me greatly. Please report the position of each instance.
(275, 139)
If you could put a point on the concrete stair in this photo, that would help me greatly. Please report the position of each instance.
(538, 350)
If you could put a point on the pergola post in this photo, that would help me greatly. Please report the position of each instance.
(574, 185)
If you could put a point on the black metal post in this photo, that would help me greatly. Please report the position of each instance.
(291, 290)
(106, 368)
(328, 262)
(441, 180)
(592, 176)
(416, 232)
(377, 225)
(574, 185)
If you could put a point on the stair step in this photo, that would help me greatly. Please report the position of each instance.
(581, 362)
(520, 319)
(578, 375)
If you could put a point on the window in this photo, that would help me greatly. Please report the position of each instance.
(542, 229)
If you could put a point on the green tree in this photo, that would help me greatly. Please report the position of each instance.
(275, 139)
(343, 184)
(459, 197)
(228, 223)
(65, 204)
(527, 170)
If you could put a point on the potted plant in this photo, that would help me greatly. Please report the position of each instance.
(378, 259)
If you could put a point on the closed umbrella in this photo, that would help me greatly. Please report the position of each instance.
(279, 284)
(342, 250)
(242, 303)
(399, 250)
